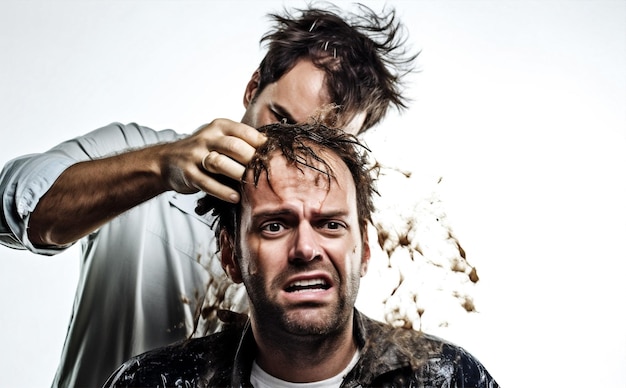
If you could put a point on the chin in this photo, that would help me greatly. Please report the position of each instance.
(312, 322)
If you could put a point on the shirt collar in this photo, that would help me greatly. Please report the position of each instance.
(377, 357)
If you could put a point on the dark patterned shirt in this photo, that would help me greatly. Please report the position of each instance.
(390, 357)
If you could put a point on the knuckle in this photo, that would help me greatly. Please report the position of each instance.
(217, 122)
(214, 161)
(231, 145)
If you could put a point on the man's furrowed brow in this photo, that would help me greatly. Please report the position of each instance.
(269, 214)
(326, 214)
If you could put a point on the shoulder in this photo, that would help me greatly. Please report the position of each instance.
(426, 358)
(192, 362)
(112, 139)
(132, 134)
(402, 338)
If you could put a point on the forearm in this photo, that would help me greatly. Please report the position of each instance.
(89, 194)
(85, 190)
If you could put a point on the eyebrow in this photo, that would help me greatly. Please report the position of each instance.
(284, 212)
(270, 214)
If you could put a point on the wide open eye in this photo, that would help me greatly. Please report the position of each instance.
(332, 227)
(272, 227)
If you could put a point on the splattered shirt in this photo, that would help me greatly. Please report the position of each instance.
(390, 357)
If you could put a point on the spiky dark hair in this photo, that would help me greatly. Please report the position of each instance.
(363, 53)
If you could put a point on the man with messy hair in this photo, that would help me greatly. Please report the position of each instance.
(128, 193)
(298, 242)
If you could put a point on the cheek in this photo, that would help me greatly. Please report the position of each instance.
(350, 254)
(256, 116)
(358, 260)
(247, 259)
(260, 257)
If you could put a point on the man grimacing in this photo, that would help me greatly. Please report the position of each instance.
(127, 193)
(298, 242)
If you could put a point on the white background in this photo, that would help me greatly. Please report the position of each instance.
(520, 107)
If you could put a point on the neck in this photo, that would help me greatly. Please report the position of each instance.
(303, 359)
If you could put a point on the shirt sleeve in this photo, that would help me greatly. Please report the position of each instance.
(24, 180)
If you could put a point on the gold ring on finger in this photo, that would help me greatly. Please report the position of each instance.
(204, 166)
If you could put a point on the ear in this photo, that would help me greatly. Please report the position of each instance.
(229, 258)
(367, 253)
(251, 88)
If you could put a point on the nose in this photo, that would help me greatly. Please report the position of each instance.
(305, 246)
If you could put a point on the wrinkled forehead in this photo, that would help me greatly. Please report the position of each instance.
(321, 187)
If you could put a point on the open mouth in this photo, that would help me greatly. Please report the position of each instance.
(308, 285)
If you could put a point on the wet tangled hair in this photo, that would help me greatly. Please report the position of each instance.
(364, 56)
(301, 146)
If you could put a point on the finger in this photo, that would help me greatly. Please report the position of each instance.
(246, 133)
(236, 140)
(216, 163)
(219, 186)
(239, 141)
(234, 148)
(228, 128)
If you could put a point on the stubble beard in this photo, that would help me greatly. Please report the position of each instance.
(306, 320)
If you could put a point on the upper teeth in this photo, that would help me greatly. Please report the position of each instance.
(307, 283)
